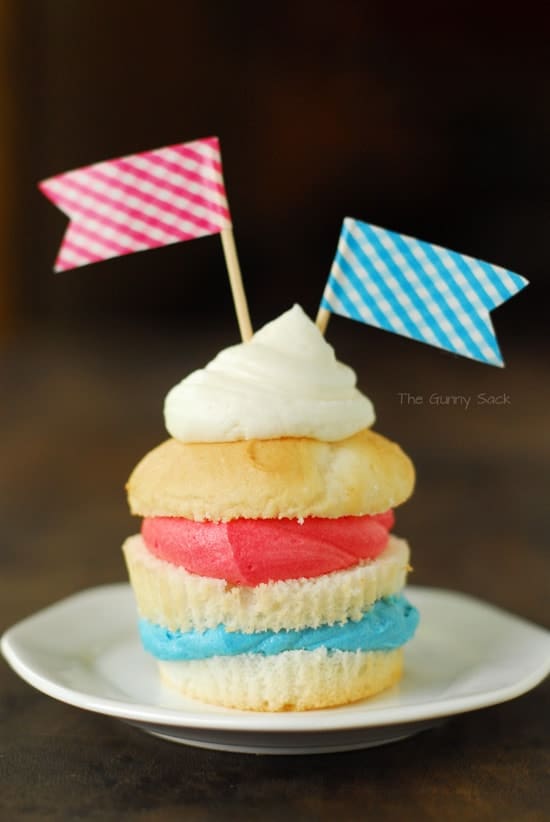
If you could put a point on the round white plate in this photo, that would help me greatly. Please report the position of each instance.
(85, 651)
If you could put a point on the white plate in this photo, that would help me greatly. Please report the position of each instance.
(85, 651)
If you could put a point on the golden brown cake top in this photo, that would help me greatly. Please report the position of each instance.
(288, 477)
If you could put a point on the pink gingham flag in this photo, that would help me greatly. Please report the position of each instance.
(146, 200)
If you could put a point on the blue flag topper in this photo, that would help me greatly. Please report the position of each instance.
(418, 290)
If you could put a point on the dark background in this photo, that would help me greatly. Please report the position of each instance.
(425, 120)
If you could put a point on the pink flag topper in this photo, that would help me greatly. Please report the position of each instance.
(146, 200)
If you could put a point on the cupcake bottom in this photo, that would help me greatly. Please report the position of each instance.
(289, 681)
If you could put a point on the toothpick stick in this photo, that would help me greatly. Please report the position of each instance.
(236, 281)
(323, 316)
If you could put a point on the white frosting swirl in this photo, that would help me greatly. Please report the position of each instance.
(285, 382)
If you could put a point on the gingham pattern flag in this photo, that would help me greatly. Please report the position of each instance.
(418, 290)
(146, 200)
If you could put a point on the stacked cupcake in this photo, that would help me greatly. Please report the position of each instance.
(265, 574)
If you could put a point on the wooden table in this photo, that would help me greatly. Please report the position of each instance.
(78, 411)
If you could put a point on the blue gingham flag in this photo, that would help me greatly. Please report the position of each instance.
(418, 290)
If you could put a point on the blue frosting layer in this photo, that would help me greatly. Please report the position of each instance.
(390, 623)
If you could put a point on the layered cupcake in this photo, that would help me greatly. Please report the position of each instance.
(265, 574)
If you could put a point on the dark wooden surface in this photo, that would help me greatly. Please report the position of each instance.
(77, 413)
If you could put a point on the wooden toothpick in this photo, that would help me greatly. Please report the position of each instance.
(321, 321)
(236, 282)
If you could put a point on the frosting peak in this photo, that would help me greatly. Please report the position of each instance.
(285, 382)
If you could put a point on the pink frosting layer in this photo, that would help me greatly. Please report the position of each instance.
(252, 551)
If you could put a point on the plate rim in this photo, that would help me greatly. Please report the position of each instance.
(326, 720)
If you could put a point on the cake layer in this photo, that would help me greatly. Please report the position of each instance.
(387, 625)
(171, 596)
(294, 680)
(251, 551)
(279, 478)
